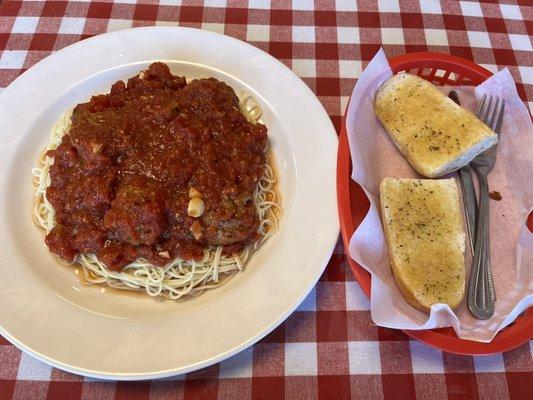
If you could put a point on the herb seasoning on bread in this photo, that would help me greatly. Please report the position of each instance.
(426, 241)
(433, 133)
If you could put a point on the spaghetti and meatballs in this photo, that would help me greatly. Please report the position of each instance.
(160, 185)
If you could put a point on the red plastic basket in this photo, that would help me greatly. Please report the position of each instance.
(440, 69)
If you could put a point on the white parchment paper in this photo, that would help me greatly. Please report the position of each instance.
(374, 156)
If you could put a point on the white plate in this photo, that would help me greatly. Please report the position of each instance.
(44, 310)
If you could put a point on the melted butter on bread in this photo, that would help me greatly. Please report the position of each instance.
(433, 133)
(426, 241)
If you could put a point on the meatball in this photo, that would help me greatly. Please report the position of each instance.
(137, 214)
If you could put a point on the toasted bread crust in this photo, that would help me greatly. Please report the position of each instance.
(424, 230)
(434, 134)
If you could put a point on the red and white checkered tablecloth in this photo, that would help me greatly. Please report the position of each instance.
(329, 347)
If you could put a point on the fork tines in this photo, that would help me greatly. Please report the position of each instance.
(490, 111)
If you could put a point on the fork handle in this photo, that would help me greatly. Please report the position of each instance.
(481, 293)
(470, 203)
(469, 193)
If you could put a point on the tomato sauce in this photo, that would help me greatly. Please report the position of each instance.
(122, 176)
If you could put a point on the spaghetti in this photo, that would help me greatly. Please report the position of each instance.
(179, 277)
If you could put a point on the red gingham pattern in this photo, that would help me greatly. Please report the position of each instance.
(329, 348)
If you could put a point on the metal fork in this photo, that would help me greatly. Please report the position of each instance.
(481, 294)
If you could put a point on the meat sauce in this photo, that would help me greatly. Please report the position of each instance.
(122, 175)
